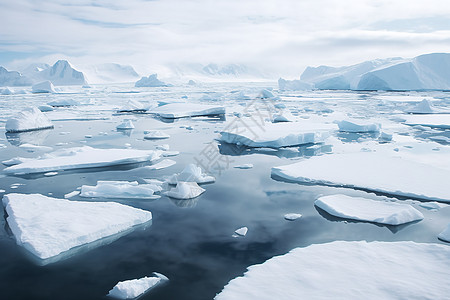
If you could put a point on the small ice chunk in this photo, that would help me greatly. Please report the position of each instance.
(244, 166)
(385, 137)
(120, 189)
(45, 108)
(432, 205)
(266, 94)
(185, 190)
(165, 163)
(170, 153)
(15, 161)
(155, 135)
(191, 173)
(43, 87)
(445, 235)
(423, 107)
(364, 209)
(292, 216)
(356, 125)
(49, 174)
(28, 120)
(241, 231)
(130, 289)
(71, 194)
(126, 124)
(164, 147)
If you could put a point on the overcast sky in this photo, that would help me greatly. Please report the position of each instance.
(280, 36)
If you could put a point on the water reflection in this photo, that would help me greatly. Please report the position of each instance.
(187, 203)
(36, 137)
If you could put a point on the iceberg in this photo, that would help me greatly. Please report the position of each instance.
(184, 110)
(63, 103)
(277, 135)
(80, 158)
(155, 135)
(28, 120)
(355, 125)
(120, 189)
(445, 235)
(348, 270)
(185, 190)
(294, 85)
(150, 81)
(191, 173)
(363, 209)
(126, 124)
(48, 226)
(370, 171)
(130, 289)
(13, 78)
(6, 91)
(43, 87)
(45, 108)
(61, 73)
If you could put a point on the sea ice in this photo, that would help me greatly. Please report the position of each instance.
(43, 87)
(48, 226)
(363, 209)
(130, 289)
(120, 189)
(191, 173)
(185, 190)
(348, 270)
(277, 135)
(126, 124)
(183, 110)
(82, 157)
(155, 135)
(356, 125)
(371, 171)
(292, 216)
(133, 106)
(27, 120)
(150, 81)
(423, 107)
(165, 163)
(432, 205)
(241, 231)
(445, 235)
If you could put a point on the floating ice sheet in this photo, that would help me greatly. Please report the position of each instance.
(182, 110)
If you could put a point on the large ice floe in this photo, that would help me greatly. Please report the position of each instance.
(370, 171)
(363, 209)
(441, 121)
(348, 270)
(183, 110)
(48, 226)
(27, 120)
(120, 189)
(130, 289)
(356, 125)
(185, 190)
(43, 87)
(276, 135)
(82, 157)
(150, 81)
(191, 173)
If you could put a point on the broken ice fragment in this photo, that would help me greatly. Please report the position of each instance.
(185, 190)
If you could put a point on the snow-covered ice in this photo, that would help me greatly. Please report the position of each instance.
(191, 173)
(355, 125)
(43, 87)
(130, 289)
(425, 107)
(120, 189)
(445, 235)
(371, 171)
(348, 270)
(155, 135)
(126, 124)
(183, 110)
(185, 190)
(13, 78)
(150, 81)
(364, 209)
(82, 157)
(27, 120)
(48, 226)
(292, 216)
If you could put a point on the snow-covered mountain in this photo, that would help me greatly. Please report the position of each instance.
(110, 73)
(424, 72)
(13, 78)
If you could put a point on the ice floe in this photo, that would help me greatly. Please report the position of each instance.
(48, 226)
(348, 270)
(155, 135)
(150, 81)
(45, 108)
(185, 190)
(355, 125)
(191, 173)
(371, 171)
(183, 110)
(276, 135)
(364, 209)
(27, 120)
(120, 189)
(82, 157)
(126, 124)
(445, 235)
(241, 231)
(130, 289)
(43, 87)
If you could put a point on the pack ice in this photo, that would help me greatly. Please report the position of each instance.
(371, 171)
(82, 157)
(27, 120)
(150, 81)
(130, 289)
(276, 135)
(48, 226)
(120, 189)
(363, 209)
(183, 110)
(348, 270)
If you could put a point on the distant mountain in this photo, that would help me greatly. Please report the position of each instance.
(13, 78)
(110, 73)
(61, 73)
(424, 72)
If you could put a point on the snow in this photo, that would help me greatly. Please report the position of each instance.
(277, 135)
(355, 125)
(348, 270)
(191, 173)
(445, 235)
(244, 166)
(364, 209)
(155, 135)
(150, 81)
(27, 120)
(130, 289)
(185, 190)
(183, 110)
(371, 171)
(126, 124)
(294, 85)
(120, 189)
(241, 231)
(82, 157)
(441, 121)
(165, 163)
(48, 226)
(292, 216)
(43, 87)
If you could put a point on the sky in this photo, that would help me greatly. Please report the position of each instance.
(281, 37)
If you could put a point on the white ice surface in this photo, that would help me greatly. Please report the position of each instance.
(130, 289)
(276, 135)
(191, 173)
(355, 125)
(48, 226)
(29, 119)
(155, 135)
(371, 171)
(445, 235)
(425, 107)
(43, 87)
(348, 270)
(185, 190)
(82, 157)
(182, 110)
(120, 189)
(364, 209)
(433, 121)
(133, 106)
